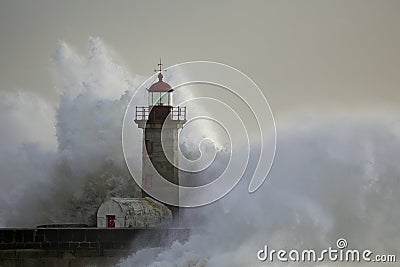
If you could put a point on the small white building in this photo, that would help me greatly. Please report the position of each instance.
(133, 212)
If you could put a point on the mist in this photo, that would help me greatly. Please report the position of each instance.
(333, 176)
(59, 163)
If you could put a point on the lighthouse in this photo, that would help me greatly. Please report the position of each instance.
(161, 122)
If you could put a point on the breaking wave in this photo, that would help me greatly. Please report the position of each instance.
(333, 176)
(59, 163)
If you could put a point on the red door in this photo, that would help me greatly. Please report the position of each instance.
(110, 221)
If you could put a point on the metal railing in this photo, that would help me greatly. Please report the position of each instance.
(177, 113)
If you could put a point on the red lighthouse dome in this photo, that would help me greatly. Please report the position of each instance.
(160, 86)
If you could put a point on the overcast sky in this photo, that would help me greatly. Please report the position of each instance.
(313, 54)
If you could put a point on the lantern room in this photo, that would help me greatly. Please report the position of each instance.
(160, 93)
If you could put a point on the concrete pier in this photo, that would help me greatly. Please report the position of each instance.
(79, 246)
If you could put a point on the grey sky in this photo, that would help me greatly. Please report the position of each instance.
(309, 53)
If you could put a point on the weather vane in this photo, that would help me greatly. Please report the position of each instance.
(159, 67)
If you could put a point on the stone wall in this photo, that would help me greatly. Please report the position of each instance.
(79, 246)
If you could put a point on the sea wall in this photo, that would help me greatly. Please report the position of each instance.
(79, 246)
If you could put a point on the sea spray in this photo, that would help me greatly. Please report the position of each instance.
(332, 178)
(59, 163)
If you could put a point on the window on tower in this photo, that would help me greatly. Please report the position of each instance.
(159, 99)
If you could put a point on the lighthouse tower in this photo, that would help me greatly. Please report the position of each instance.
(160, 122)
